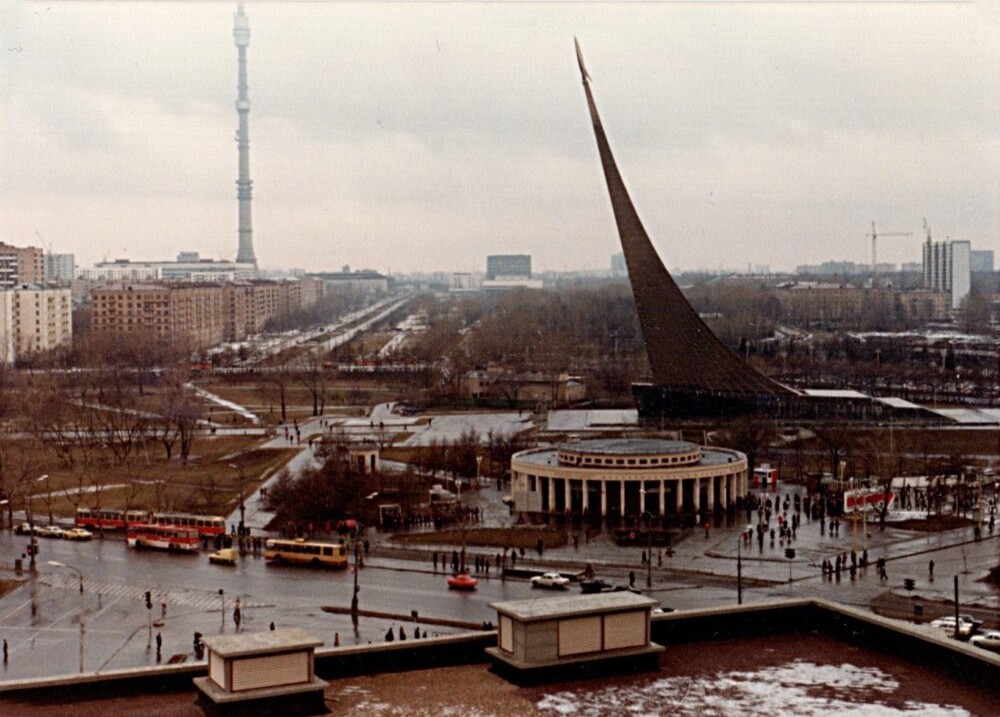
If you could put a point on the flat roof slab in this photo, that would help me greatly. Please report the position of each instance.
(261, 643)
(532, 610)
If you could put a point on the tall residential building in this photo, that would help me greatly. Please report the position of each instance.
(34, 319)
(60, 268)
(21, 265)
(947, 268)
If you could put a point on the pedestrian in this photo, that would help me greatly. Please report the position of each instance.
(643, 557)
(163, 608)
(237, 614)
(389, 637)
(336, 639)
(402, 633)
(435, 558)
(631, 578)
(5, 654)
(159, 645)
(416, 633)
(930, 567)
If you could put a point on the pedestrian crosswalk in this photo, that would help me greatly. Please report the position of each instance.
(195, 599)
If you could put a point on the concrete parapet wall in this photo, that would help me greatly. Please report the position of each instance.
(919, 644)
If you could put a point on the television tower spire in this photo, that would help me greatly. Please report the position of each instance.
(241, 34)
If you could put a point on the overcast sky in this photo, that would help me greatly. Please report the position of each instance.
(422, 136)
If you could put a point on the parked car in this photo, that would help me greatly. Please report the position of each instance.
(24, 529)
(552, 581)
(976, 622)
(947, 624)
(596, 585)
(990, 641)
(226, 556)
(77, 534)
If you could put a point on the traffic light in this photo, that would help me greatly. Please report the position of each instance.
(149, 600)
(909, 583)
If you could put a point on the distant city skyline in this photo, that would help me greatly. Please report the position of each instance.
(423, 137)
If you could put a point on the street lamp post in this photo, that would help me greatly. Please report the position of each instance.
(647, 517)
(357, 588)
(739, 572)
(31, 528)
(242, 528)
(57, 564)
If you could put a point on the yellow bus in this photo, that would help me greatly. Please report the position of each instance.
(304, 552)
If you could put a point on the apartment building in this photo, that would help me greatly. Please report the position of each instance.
(21, 265)
(34, 319)
(202, 314)
(193, 313)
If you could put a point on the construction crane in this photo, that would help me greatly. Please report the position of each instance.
(875, 235)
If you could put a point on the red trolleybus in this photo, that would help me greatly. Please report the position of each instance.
(302, 552)
(110, 519)
(206, 525)
(163, 537)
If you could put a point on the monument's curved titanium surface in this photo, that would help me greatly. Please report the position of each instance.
(694, 373)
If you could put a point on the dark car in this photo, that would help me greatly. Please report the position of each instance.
(596, 586)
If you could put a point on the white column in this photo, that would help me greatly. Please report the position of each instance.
(663, 498)
(583, 485)
(679, 495)
(710, 482)
(642, 497)
(724, 491)
(697, 495)
(621, 504)
(604, 498)
(566, 492)
(552, 494)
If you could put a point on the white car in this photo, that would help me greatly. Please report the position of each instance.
(49, 531)
(989, 641)
(553, 581)
(77, 534)
(225, 556)
(965, 627)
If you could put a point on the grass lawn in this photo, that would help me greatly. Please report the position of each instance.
(206, 483)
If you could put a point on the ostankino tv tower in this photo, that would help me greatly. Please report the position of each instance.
(241, 33)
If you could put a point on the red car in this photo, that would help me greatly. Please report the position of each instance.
(462, 581)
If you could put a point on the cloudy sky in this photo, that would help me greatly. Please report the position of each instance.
(424, 136)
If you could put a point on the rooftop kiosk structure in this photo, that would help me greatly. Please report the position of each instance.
(262, 673)
(587, 634)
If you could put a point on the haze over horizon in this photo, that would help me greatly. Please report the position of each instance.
(422, 137)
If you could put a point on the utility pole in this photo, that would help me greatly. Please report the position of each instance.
(242, 528)
(739, 572)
